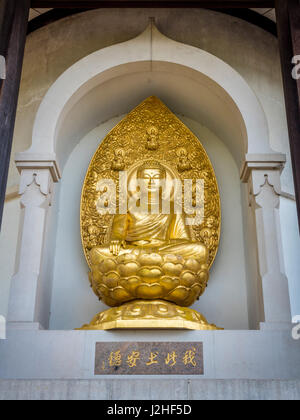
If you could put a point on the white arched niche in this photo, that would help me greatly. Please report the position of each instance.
(225, 299)
(108, 84)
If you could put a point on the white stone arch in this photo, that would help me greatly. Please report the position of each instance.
(151, 51)
(228, 105)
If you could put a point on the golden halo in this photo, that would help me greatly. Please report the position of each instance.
(130, 135)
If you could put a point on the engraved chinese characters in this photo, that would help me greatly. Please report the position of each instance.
(140, 259)
(149, 358)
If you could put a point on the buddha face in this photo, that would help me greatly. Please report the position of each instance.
(152, 178)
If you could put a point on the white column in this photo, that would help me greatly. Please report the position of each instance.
(27, 294)
(263, 177)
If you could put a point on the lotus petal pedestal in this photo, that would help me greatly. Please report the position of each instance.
(145, 314)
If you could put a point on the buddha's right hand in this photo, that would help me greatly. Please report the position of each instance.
(115, 247)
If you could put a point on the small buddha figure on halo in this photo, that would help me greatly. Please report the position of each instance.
(183, 160)
(118, 163)
(152, 138)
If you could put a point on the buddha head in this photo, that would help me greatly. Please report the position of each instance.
(152, 174)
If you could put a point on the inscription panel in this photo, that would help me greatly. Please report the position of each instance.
(144, 358)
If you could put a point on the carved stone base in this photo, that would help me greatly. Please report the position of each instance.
(145, 314)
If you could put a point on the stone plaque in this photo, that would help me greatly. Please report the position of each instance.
(144, 358)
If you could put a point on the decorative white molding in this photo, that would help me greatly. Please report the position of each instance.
(263, 162)
(264, 193)
(34, 161)
(32, 178)
(27, 288)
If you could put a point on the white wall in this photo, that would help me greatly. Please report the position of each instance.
(224, 302)
(8, 241)
(291, 247)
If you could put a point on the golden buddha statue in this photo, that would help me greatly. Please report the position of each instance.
(147, 230)
(151, 265)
